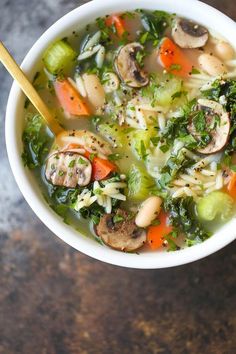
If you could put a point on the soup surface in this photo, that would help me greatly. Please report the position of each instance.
(148, 104)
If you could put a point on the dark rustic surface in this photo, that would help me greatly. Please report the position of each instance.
(56, 300)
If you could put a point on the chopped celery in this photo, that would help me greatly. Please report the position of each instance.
(166, 90)
(139, 183)
(215, 205)
(140, 141)
(59, 57)
(113, 133)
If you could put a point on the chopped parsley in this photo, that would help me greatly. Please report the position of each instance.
(164, 148)
(61, 173)
(179, 94)
(199, 121)
(155, 140)
(118, 218)
(71, 164)
(140, 55)
(194, 71)
(114, 157)
(176, 67)
(82, 161)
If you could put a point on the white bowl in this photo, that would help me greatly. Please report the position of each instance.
(76, 19)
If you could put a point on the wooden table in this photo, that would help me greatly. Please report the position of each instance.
(56, 300)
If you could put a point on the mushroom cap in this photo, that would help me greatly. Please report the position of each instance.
(220, 133)
(189, 34)
(68, 169)
(123, 235)
(127, 66)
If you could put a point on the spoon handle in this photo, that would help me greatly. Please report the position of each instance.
(29, 90)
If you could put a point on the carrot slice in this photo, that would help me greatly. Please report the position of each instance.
(156, 234)
(70, 99)
(102, 168)
(118, 23)
(231, 188)
(173, 59)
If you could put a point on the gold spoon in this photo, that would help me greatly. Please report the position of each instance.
(29, 90)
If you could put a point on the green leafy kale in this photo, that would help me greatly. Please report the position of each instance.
(182, 216)
(174, 165)
(225, 91)
(177, 128)
(105, 31)
(62, 199)
(154, 25)
(63, 195)
(36, 141)
(225, 88)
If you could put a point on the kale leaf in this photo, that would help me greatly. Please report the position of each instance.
(177, 163)
(225, 90)
(177, 128)
(62, 199)
(36, 141)
(182, 216)
(154, 25)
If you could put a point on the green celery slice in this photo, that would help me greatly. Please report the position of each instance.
(59, 57)
(215, 205)
(139, 183)
(113, 133)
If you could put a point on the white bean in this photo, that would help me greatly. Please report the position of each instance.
(211, 64)
(94, 89)
(111, 82)
(224, 51)
(148, 211)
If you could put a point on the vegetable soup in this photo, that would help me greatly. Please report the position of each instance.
(148, 104)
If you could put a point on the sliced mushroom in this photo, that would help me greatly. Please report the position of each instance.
(84, 139)
(120, 232)
(68, 169)
(218, 131)
(127, 66)
(189, 34)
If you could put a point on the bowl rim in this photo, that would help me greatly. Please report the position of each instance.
(24, 178)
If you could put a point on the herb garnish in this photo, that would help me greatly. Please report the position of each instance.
(182, 216)
(118, 218)
(114, 157)
(71, 164)
(154, 25)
